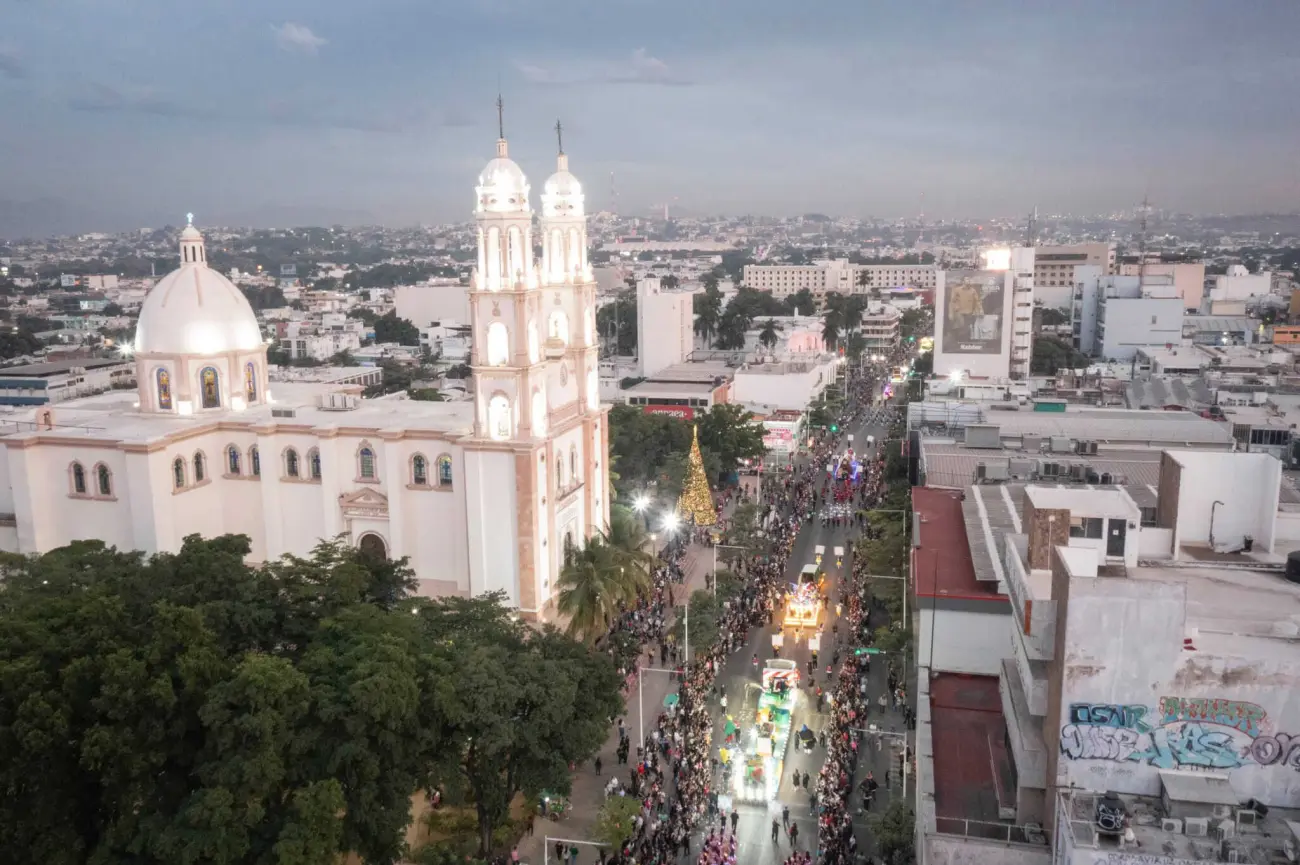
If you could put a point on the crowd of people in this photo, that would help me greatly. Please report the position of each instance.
(674, 775)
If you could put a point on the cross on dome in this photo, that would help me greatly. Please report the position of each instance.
(189, 219)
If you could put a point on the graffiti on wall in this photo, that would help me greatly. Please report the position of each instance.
(1181, 733)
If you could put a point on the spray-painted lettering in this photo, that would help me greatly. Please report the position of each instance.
(1083, 742)
(1107, 715)
(1279, 750)
(1247, 718)
(1191, 746)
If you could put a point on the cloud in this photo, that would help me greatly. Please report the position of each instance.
(640, 68)
(11, 66)
(297, 38)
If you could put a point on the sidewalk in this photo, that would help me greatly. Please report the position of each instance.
(588, 792)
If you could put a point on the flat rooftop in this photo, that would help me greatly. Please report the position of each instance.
(942, 562)
(1261, 842)
(41, 370)
(973, 770)
(1104, 425)
(114, 416)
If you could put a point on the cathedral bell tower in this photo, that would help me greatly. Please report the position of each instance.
(506, 306)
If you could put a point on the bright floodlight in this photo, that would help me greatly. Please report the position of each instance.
(641, 502)
(671, 520)
(955, 375)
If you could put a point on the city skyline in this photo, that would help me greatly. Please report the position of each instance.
(295, 113)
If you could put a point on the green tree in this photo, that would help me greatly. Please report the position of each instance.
(1051, 354)
(706, 611)
(894, 831)
(708, 308)
(189, 708)
(522, 704)
(592, 587)
(616, 325)
(730, 432)
(801, 302)
(629, 545)
(616, 820)
(831, 330)
(770, 333)
(731, 332)
(390, 328)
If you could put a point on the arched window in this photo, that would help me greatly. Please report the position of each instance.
(573, 462)
(210, 387)
(559, 473)
(200, 467)
(250, 382)
(291, 463)
(498, 344)
(232, 460)
(419, 471)
(255, 461)
(373, 545)
(500, 424)
(163, 379)
(178, 474)
(78, 479)
(366, 463)
(104, 480)
(313, 463)
(444, 471)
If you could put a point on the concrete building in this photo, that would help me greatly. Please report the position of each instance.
(785, 384)
(54, 382)
(1239, 284)
(1114, 316)
(840, 276)
(1054, 265)
(436, 300)
(973, 327)
(1022, 313)
(665, 326)
(881, 327)
(1188, 277)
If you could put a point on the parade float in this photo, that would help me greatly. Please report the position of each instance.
(759, 775)
(803, 607)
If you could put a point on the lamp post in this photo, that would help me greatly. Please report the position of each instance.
(640, 698)
(671, 521)
(641, 504)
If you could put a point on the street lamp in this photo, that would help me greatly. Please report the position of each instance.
(671, 522)
(640, 504)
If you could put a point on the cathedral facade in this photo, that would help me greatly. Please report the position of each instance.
(479, 497)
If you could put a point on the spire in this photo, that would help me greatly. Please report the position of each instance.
(192, 251)
(561, 160)
(502, 150)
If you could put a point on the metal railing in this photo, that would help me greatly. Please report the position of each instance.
(1007, 833)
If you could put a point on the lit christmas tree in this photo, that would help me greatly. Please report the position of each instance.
(696, 503)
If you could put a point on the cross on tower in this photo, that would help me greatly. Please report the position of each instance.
(189, 219)
(501, 117)
(559, 136)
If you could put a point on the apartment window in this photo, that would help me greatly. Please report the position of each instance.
(1087, 527)
(1148, 517)
(1153, 319)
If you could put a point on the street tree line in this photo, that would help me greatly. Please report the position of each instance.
(191, 708)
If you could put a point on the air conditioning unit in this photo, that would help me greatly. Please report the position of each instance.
(1107, 479)
(1197, 827)
(1222, 812)
(1172, 825)
(1247, 817)
(284, 412)
(1050, 470)
(1092, 447)
(1078, 473)
(1234, 855)
(1225, 829)
(981, 471)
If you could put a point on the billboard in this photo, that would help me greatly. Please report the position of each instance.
(973, 312)
(681, 412)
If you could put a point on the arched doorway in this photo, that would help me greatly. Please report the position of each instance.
(372, 544)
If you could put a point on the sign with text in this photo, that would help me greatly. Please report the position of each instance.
(681, 412)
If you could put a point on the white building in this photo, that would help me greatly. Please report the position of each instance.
(434, 301)
(665, 325)
(973, 312)
(1021, 268)
(790, 384)
(1115, 316)
(1054, 269)
(839, 276)
(56, 381)
(1239, 284)
(481, 496)
(881, 327)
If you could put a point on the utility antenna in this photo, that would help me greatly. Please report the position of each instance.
(1144, 211)
(559, 136)
(1031, 229)
(501, 117)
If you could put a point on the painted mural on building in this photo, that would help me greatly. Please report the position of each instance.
(1178, 733)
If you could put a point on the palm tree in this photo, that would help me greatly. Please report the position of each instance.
(769, 335)
(589, 591)
(831, 330)
(628, 546)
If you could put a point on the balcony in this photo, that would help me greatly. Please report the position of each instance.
(1031, 601)
(1024, 730)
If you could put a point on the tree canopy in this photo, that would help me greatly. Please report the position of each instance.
(651, 448)
(191, 708)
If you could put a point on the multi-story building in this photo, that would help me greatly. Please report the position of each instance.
(1189, 277)
(1022, 311)
(839, 276)
(881, 327)
(1114, 316)
(56, 381)
(1054, 266)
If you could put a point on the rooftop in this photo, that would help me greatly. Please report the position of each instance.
(1257, 840)
(973, 771)
(1104, 425)
(1161, 392)
(40, 370)
(943, 561)
(114, 416)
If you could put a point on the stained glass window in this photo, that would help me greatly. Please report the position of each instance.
(291, 463)
(164, 380)
(313, 463)
(232, 459)
(210, 387)
(255, 461)
(200, 469)
(105, 479)
(444, 471)
(78, 479)
(419, 471)
(366, 457)
(250, 382)
(178, 473)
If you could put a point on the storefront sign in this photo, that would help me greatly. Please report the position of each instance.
(681, 412)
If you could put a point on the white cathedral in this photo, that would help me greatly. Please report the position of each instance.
(479, 497)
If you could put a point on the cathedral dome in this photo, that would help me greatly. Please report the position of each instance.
(502, 186)
(562, 194)
(194, 310)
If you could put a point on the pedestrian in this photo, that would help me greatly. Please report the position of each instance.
(805, 780)
(735, 818)
(597, 765)
(775, 830)
(796, 778)
(785, 816)
(514, 855)
(794, 835)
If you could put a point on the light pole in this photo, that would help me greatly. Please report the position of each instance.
(640, 698)
(671, 521)
(546, 846)
(873, 730)
(640, 504)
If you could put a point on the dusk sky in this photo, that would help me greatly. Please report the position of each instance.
(126, 113)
